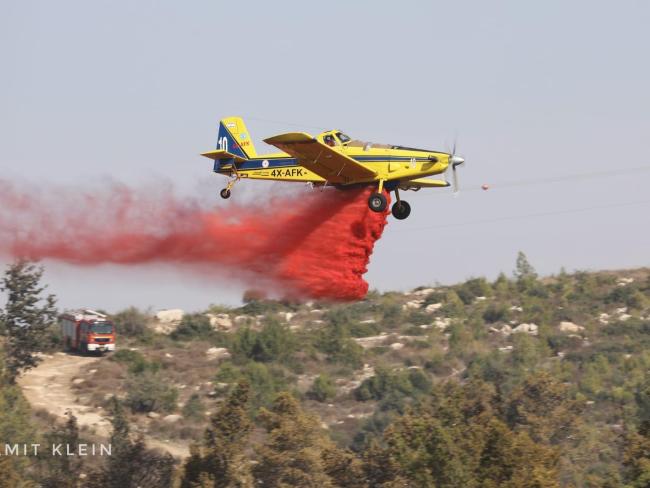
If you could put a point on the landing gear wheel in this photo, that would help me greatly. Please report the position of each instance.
(225, 193)
(377, 202)
(401, 210)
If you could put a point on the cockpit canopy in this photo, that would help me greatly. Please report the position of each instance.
(336, 138)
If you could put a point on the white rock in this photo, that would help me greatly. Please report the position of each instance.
(241, 318)
(170, 316)
(92, 371)
(480, 299)
(368, 321)
(396, 346)
(516, 308)
(370, 341)
(172, 418)
(217, 353)
(424, 292)
(624, 316)
(220, 321)
(316, 311)
(432, 307)
(603, 318)
(425, 326)
(78, 381)
(153, 415)
(531, 329)
(621, 310)
(570, 327)
(168, 355)
(442, 323)
(624, 281)
(413, 305)
(506, 348)
(288, 316)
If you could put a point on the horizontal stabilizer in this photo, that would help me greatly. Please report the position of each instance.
(219, 154)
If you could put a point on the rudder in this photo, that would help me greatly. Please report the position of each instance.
(235, 138)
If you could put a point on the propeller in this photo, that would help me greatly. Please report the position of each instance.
(455, 161)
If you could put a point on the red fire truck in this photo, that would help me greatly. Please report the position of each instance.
(87, 331)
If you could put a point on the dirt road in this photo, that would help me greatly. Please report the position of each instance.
(49, 386)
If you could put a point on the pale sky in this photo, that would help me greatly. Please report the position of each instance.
(133, 91)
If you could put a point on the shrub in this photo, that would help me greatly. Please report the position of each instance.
(274, 342)
(135, 361)
(336, 343)
(495, 313)
(392, 387)
(323, 388)
(194, 408)
(131, 322)
(193, 326)
(149, 392)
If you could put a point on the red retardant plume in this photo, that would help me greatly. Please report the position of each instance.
(312, 245)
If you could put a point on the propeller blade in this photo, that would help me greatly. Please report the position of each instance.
(455, 177)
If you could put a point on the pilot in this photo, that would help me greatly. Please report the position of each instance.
(329, 140)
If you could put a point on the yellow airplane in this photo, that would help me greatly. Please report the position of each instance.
(333, 159)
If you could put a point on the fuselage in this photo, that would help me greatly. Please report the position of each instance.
(390, 163)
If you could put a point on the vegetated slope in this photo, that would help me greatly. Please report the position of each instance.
(559, 363)
(53, 386)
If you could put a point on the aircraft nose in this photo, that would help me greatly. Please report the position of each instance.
(456, 160)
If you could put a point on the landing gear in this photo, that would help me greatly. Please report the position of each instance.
(401, 210)
(377, 202)
(225, 193)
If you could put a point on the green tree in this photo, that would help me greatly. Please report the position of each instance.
(523, 268)
(220, 461)
(542, 406)
(296, 452)
(26, 316)
(61, 471)
(131, 464)
(15, 427)
(636, 456)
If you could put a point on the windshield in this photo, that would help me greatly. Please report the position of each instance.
(343, 138)
(104, 328)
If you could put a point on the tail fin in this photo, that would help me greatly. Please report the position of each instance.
(234, 138)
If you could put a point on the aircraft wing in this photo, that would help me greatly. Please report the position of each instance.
(325, 161)
(424, 183)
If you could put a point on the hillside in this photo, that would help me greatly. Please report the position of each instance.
(517, 382)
